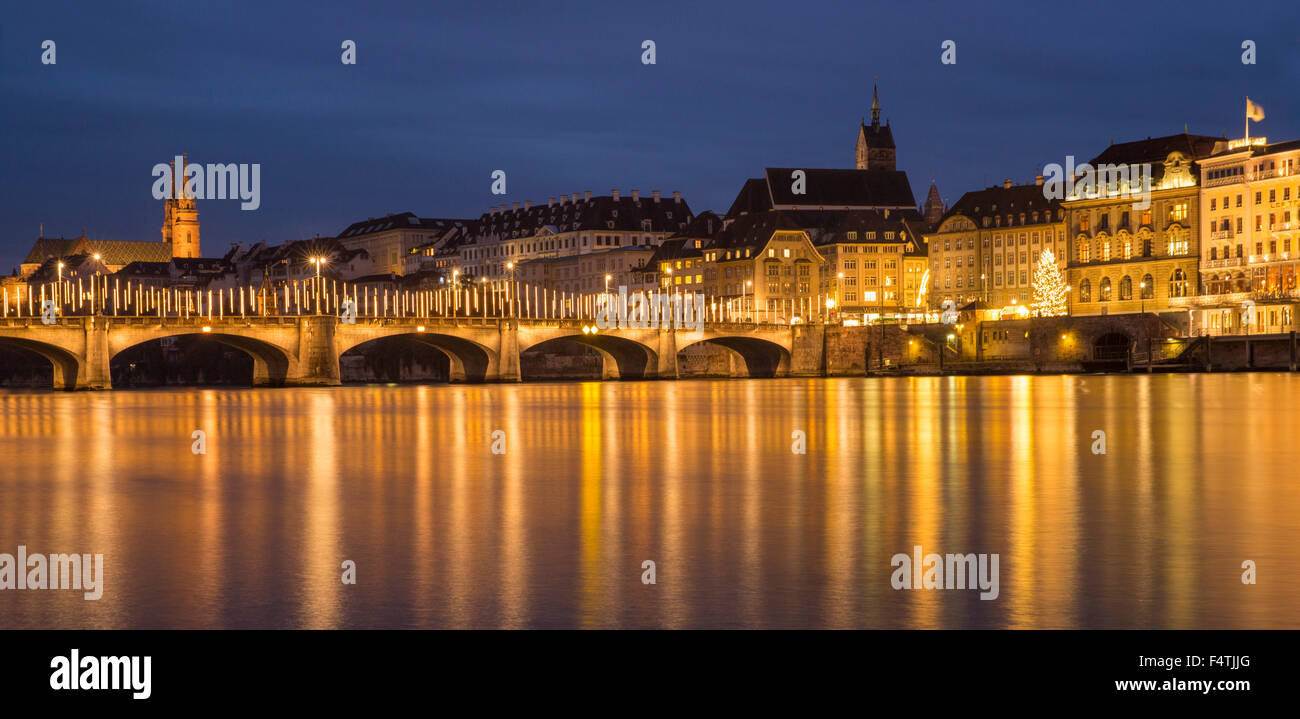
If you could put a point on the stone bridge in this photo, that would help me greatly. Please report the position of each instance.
(294, 351)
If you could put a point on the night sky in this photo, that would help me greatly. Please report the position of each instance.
(556, 95)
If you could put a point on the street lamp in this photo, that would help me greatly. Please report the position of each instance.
(510, 267)
(743, 295)
(984, 285)
(1142, 297)
(455, 292)
(58, 297)
(318, 261)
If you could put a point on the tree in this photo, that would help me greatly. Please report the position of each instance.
(1049, 288)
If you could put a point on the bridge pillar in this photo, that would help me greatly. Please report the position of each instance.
(807, 350)
(317, 363)
(94, 371)
(507, 353)
(666, 367)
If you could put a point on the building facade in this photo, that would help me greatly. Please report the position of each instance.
(506, 237)
(390, 242)
(1249, 212)
(987, 246)
(1128, 255)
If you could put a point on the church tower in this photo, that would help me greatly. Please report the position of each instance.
(933, 208)
(181, 219)
(875, 141)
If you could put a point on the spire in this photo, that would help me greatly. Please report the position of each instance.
(875, 104)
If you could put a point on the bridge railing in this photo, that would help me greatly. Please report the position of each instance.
(101, 295)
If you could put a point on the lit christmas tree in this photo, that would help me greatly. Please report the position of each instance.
(1049, 288)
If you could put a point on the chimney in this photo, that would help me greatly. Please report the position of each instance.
(655, 195)
(1038, 180)
(573, 198)
(1006, 184)
(587, 196)
(636, 196)
(677, 196)
(528, 204)
(614, 195)
(514, 205)
(550, 202)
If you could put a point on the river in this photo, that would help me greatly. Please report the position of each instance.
(537, 505)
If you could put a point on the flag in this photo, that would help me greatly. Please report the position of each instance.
(1253, 111)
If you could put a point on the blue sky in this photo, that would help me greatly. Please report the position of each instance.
(556, 95)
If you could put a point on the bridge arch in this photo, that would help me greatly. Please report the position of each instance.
(67, 365)
(762, 358)
(271, 362)
(468, 361)
(621, 358)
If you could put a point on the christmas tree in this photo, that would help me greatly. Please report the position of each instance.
(1049, 288)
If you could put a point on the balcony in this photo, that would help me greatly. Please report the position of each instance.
(1234, 299)
(1222, 263)
(1221, 235)
(1220, 181)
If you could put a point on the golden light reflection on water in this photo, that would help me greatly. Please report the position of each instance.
(698, 476)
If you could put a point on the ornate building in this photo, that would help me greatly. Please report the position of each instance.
(1126, 259)
(987, 246)
(1250, 214)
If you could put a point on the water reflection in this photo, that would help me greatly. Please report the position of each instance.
(698, 476)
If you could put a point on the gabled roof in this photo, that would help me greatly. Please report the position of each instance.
(828, 189)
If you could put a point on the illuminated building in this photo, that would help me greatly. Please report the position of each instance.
(1250, 209)
(402, 244)
(571, 225)
(987, 245)
(1125, 258)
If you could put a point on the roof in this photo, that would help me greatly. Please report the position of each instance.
(677, 249)
(1260, 150)
(825, 188)
(1003, 201)
(111, 252)
(877, 135)
(603, 212)
(705, 225)
(1155, 150)
(823, 227)
(401, 221)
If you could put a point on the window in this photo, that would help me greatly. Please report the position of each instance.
(1178, 212)
(1085, 291)
(1103, 292)
(1148, 287)
(1178, 284)
(1126, 288)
